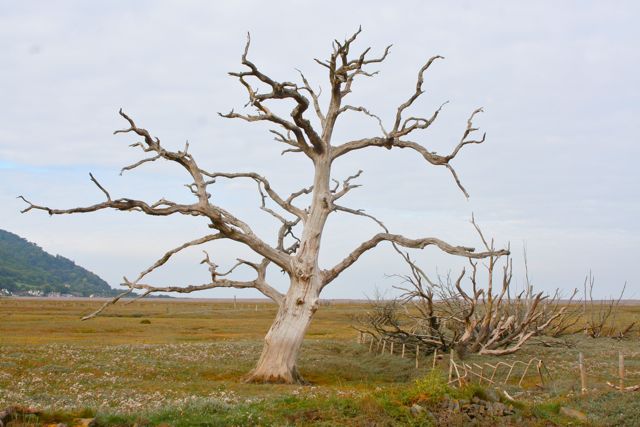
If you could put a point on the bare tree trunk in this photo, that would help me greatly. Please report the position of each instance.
(277, 363)
(282, 344)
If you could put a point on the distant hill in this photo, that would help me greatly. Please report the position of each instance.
(26, 269)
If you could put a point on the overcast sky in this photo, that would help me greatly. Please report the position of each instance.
(559, 82)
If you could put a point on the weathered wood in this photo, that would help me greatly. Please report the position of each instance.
(621, 370)
(487, 322)
(277, 363)
(583, 374)
(539, 366)
(455, 367)
(481, 374)
(628, 388)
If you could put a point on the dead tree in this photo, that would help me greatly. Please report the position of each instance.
(443, 315)
(295, 256)
(569, 322)
(554, 325)
(601, 315)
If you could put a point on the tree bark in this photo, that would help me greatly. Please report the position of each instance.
(283, 342)
(278, 362)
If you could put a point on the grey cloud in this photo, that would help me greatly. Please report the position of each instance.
(559, 83)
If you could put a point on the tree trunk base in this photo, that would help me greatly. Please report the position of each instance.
(277, 363)
(294, 377)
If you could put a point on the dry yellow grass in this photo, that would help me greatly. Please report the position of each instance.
(42, 321)
(154, 354)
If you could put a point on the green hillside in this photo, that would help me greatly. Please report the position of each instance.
(27, 269)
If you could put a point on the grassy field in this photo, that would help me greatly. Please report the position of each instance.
(182, 362)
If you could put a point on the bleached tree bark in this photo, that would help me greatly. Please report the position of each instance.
(295, 256)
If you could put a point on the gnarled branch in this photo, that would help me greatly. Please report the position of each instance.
(301, 127)
(273, 195)
(464, 251)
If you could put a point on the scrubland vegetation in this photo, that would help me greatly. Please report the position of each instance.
(183, 363)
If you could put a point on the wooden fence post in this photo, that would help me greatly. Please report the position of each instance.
(391, 351)
(402, 350)
(481, 373)
(371, 344)
(621, 369)
(539, 366)
(417, 353)
(458, 373)
(435, 356)
(583, 374)
(384, 345)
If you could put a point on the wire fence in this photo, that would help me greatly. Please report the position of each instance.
(520, 373)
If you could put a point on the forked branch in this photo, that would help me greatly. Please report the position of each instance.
(217, 278)
(402, 126)
(307, 138)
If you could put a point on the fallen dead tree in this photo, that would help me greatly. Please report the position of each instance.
(569, 322)
(481, 318)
